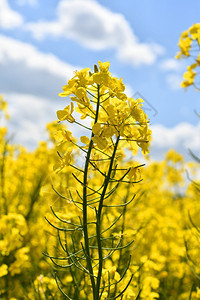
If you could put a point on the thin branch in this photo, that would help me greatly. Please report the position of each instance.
(62, 220)
(117, 248)
(61, 289)
(63, 197)
(82, 125)
(122, 292)
(74, 201)
(120, 205)
(62, 229)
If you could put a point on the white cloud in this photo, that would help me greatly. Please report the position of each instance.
(170, 64)
(174, 72)
(97, 28)
(24, 69)
(129, 90)
(182, 137)
(9, 18)
(17, 51)
(174, 81)
(29, 114)
(31, 80)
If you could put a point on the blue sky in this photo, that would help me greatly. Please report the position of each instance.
(42, 42)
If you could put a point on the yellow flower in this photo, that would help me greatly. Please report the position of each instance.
(85, 140)
(104, 295)
(134, 173)
(85, 109)
(198, 292)
(3, 270)
(103, 67)
(173, 156)
(189, 76)
(3, 107)
(63, 162)
(101, 142)
(103, 75)
(66, 113)
(63, 136)
(81, 93)
(70, 88)
(195, 31)
(96, 128)
(188, 42)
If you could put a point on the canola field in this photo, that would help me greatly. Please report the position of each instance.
(82, 218)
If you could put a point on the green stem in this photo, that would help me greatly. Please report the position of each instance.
(98, 225)
(85, 217)
(122, 230)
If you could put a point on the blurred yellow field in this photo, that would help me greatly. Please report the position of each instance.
(81, 221)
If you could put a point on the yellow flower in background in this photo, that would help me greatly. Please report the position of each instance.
(3, 107)
(3, 270)
(163, 218)
(189, 40)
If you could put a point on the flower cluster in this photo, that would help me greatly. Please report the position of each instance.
(117, 114)
(189, 47)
